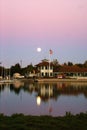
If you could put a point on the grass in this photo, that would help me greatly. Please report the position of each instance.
(22, 122)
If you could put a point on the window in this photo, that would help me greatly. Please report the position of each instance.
(42, 74)
(46, 67)
(46, 74)
(51, 74)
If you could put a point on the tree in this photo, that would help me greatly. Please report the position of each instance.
(30, 68)
(85, 64)
(55, 62)
(65, 64)
(79, 65)
(15, 69)
(70, 63)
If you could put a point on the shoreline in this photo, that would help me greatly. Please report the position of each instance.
(44, 80)
(59, 80)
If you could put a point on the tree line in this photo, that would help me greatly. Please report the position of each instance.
(30, 68)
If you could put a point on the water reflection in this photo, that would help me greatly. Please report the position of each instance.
(46, 90)
(38, 100)
(48, 93)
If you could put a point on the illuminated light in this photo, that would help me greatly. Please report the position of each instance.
(38, 101)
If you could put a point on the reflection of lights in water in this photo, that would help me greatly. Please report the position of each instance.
(38, 100)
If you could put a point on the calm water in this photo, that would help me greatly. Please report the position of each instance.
(43, 99)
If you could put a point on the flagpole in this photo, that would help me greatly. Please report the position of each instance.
(49, 64)
(50, 53)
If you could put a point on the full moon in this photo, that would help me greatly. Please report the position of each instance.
(38, 49)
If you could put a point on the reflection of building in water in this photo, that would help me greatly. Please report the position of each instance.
(18, 84)
(31, 87)
(45, 93)
(72, 88)
(61, 88)
(46, 90)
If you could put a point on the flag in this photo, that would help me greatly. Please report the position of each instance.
(50, 51)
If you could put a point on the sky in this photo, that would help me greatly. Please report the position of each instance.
(60, 25)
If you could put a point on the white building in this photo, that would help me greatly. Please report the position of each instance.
(45, 69)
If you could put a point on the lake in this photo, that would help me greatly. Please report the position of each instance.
(53, 99)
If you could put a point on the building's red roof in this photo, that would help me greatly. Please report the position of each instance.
(73, 68)
(44, 64)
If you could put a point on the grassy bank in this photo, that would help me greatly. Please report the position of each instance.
(22, 122)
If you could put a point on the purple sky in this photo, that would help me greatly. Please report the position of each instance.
(60, 25)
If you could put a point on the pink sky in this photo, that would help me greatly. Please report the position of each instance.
(46, 21)
(43, 17)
